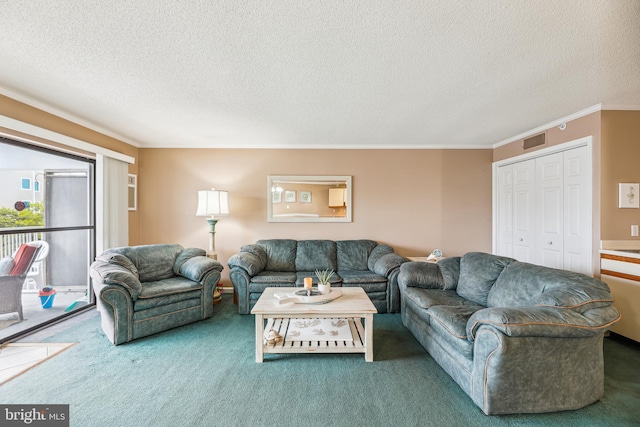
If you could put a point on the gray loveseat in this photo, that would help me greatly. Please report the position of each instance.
(141, 290)
(517, 337)
(286, 262)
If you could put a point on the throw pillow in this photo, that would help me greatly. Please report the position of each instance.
(6, 265)
(23, 259)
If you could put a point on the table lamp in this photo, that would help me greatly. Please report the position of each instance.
(211, 203)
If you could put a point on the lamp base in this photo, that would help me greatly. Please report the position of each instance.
(217, 296)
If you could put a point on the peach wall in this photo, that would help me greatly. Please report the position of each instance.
(619, 163)
(28, 114)
(414, 200)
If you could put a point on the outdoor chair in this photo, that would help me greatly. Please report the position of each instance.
(13, 274)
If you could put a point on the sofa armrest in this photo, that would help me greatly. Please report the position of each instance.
(387, 263)
(197, 267)
(249, 262)
(540, 321)
(424, 275)
(107, 273)
(184, 256)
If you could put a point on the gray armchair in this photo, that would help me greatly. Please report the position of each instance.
(142, 290)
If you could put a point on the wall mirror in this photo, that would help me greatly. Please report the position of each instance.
(308, 198)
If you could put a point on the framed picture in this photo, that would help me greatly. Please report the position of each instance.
(628, 196)
(132, 191)
(305, 197)
(290, 196)
(276, 197)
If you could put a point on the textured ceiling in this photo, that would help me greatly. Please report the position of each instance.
(293, 73)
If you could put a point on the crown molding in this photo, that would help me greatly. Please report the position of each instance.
(47, 108)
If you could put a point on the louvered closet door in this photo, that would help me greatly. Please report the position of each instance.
(549, 211)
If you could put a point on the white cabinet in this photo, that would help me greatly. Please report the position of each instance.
(336, 197)
(622, 274)
(543, 210)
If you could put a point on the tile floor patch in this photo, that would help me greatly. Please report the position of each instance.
(17, 358)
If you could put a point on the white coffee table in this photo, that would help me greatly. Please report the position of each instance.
(353, 305)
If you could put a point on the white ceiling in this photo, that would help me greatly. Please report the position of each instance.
(329, 74)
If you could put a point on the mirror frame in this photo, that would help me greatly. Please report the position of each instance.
(312, 180)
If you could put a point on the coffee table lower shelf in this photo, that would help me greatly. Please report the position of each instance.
(281, 325)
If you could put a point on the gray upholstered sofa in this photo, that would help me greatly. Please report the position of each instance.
(142, 290)
(517, 337)
(285, 262)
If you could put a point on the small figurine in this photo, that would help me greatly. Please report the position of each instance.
(272, 337)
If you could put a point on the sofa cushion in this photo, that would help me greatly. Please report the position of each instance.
(450, 322)
(358, 277)
(523, 284)
(354, 254)
(281, 254)
(167, 291)
(282, 277)
(371, 283)
(6, 265)
(316, 255)
(153, 262)
(255, 289)
(427, 298)
(370, 288)
(478, 273)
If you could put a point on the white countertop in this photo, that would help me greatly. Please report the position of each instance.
(626, 248)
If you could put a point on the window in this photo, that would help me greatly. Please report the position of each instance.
(25, 184)
(58, 209)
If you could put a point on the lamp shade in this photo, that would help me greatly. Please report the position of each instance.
(212, 202)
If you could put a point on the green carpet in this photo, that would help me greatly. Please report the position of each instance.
(204, 374)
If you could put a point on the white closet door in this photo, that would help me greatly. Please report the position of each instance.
(544, 208)
(523, 211)
(577, 211)
(549, 211)
(505, 211)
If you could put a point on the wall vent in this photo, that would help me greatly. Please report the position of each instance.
(534, 141)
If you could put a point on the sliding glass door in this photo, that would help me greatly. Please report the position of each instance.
(47, 196)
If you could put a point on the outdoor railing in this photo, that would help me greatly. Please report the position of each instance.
(9, 243)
